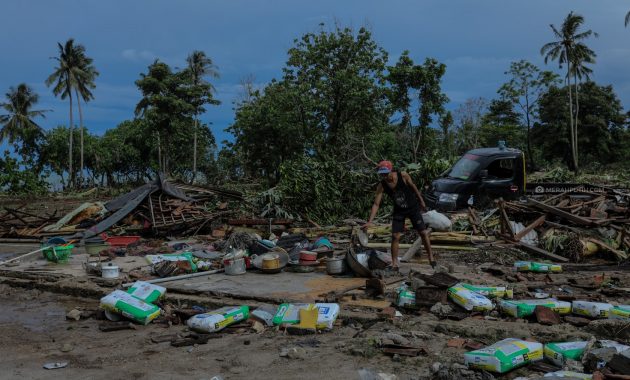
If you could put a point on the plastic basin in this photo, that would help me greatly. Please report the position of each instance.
(94, 249)
(121, 241)
(58, 254)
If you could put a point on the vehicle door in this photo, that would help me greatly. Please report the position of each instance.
(499, 180)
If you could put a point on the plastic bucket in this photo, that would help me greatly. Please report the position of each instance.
(308, 255)
(234, 266)
(95, 249)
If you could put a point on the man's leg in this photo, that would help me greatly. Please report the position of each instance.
(424, 235)
(395, 243)
(421, 228)
(398, 226)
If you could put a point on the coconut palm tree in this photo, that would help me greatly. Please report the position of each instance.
(199, 66)
(582, 55)
(570, 50)
(82, 91)
(18, 124)
(627, 21)
(66, 78)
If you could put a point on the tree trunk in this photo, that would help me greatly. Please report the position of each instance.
(532, 165)
(165, 153)
(81, 129)
(577, 111)
(194, 176)
(159, 153)
(70, 138)
(573, 140)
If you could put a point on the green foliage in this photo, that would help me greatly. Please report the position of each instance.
(502, 123)
(169, 104)
(468, 121)
(570, 49)
(426, 169)
(55, 151)
(421, 83)
(74, 72)
(602, 132)
(338, 79)
(18, 127)
(269, 202)
(16, 180)
(324, 190)
(268, 130)
(524, 89)
(127, 151)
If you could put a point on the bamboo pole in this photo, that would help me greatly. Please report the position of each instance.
(405, 246)
(22, 256)
(175, 278)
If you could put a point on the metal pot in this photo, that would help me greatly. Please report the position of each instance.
(271, 262)
(234, 266)
(355, 262)
(109, 271)
(336, 265)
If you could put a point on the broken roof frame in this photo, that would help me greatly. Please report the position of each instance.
(126, 203)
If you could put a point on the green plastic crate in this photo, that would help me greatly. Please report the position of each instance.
(58, 254)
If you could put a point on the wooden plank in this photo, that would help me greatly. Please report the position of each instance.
(563, 214)
(506, 220)
(527, 229)
(542, 252)
(563, 203)
(259, 222)
(546, 201)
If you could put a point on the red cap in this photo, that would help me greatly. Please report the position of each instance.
(384, 167)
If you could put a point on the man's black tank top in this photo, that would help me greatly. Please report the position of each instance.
(403, 196)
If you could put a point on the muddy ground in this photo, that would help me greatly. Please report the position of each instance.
(35, 331)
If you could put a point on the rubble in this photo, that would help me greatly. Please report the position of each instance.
(485, 288)
(546, 316)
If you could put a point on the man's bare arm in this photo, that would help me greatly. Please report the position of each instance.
(409, 182)
(376, 205)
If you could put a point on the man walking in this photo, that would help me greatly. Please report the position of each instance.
(408, 203)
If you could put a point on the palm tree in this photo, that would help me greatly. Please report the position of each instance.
(627, 21)
(570, 50)
(18, 124)
(82, 91)
(583, 55)
(199, 66)
(66, 78)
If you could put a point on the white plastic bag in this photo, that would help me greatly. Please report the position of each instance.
(437, 221)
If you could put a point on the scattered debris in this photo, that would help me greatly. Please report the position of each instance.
(56, 365)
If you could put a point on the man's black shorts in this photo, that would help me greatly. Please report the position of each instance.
(398, 220)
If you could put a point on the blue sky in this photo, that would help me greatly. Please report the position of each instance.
(477, 40)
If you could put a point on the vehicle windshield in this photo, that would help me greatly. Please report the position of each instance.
(465, 167)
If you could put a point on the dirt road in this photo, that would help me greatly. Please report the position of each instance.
(35, 332)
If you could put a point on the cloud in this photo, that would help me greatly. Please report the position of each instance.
(135, 55)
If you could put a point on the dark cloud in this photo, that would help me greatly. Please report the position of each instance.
(476, 39)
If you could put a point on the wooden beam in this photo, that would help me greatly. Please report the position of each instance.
(563, 214)
(527, 229)
(541, 252)
(506, 220)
